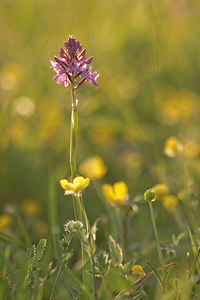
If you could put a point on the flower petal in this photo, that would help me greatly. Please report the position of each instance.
(120, 191)
(80, 183)
(108, 192)
(89, 60)
(66, 185)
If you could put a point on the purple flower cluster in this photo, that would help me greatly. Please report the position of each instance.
(73, 64)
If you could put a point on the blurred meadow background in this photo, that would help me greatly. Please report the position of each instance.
(147, 55)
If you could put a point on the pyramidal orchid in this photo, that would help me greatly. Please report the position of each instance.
(72, 67)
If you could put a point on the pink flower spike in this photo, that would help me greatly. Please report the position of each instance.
(73, 64)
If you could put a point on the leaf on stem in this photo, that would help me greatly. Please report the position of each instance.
(115, 252)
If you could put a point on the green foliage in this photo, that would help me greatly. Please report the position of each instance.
(36, 254)
(39, 252)
(128, 266)
(116, 281)
(115, 252)
(158, 276)
(194, 248)
(177, 239)
(102, 263)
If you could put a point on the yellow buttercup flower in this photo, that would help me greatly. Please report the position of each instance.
(137, 269)
(172, 147)
(5, 221)
(115, 194)
(170, 202)
(79, 183)
(93, 167)
(31, 207)
(161, 190)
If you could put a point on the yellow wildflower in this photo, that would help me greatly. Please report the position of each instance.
(79, 183)
(5, 221)
(170, 202)
(161, 190)
(191, 149)
(93, 167)
(137, 269)
(115, 194)
(31, 207)
(173, 147)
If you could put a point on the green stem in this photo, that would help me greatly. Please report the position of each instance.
(77, 208)
(94, 278)
(73, 135)
(125, 220)
(156, 236)
(193, 264)
(55, 282)
(87, 264)
(119, 221)
(86, 221)
(73, 146)
(79, 212)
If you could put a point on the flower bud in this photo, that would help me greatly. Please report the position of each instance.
(73, 226)
(149, 195)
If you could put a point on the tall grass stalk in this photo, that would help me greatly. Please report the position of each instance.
(157, 238)
(193, 264)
